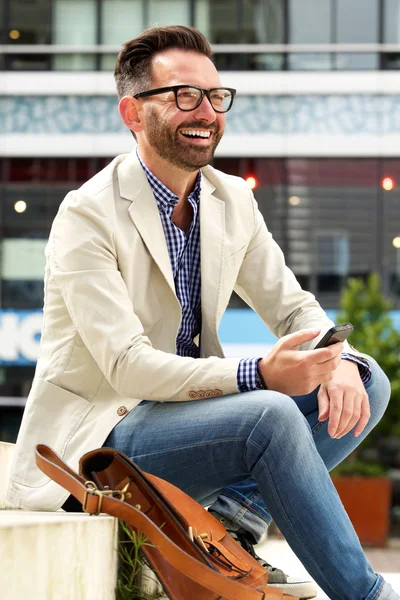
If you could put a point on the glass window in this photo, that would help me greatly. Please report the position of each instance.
(390, 222)
(121, 21)
(305, 61)
(29, 22)
(303, 15)
(74, 23)
(357, 21)
(169, 12)
(331, 222)
(263, 22)
(357, 61)
(391, 21)
(217, 19)
(3, 38)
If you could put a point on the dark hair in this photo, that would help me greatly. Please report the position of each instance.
(133, 67)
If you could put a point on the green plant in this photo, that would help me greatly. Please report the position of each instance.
(364, 305)
(131, 564)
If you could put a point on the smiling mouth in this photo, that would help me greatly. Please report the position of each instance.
(196, 134)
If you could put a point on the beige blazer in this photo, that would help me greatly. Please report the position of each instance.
(111, 315)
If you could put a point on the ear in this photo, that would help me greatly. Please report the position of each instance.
(129, 111)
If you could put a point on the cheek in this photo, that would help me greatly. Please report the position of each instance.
(172, 118)
(221, 120)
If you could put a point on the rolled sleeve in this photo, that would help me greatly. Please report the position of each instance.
(363, 366)
(247, 379)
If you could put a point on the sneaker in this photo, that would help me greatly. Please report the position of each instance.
(293, 586)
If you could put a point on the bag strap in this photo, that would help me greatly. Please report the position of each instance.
(92, 500)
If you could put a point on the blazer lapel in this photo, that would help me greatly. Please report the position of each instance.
(144, 213)
(212, 252)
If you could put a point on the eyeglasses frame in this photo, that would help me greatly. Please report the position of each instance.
(175, 88)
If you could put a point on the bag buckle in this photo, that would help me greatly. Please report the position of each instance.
(93, 490)
(198, 538)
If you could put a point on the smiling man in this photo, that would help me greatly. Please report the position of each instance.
(141, 263)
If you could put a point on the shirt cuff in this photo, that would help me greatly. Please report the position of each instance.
(363, 366)
(247, 379)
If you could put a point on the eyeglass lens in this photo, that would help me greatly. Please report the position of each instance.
(188, 98)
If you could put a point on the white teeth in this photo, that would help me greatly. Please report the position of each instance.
(193, 132)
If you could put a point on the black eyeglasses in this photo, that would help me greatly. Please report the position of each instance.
(189, 97)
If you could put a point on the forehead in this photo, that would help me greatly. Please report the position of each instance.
(174, 67)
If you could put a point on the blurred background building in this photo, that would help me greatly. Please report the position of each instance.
(315, 129)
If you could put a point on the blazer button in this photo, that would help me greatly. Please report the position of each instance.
(122, 411)
(192, 394)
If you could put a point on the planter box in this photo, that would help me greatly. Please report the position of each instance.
(367, 501)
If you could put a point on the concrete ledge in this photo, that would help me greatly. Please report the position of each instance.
(57, 555)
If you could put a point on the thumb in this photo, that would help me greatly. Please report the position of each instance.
(293, 340)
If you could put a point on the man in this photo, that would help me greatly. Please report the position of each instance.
(141, 263)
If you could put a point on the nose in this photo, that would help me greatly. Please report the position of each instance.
(205, 111)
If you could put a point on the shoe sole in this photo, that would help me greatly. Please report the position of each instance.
(297, 590)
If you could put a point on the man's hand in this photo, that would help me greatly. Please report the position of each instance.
(295, 372)
(344, 401)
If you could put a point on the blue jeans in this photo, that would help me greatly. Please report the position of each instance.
(243, 503)
(258, 454)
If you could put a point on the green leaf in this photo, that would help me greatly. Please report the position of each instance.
(363, 304)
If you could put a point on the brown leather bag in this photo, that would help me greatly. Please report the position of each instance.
(191, 552)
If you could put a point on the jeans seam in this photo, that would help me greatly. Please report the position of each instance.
(293, 530)
(378, 593)
(210, 442)
(247, 506)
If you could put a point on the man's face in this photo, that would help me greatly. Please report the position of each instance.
(165, 125)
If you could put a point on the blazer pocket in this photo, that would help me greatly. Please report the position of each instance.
(235, 258)
(52, 416)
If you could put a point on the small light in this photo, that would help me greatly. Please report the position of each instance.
(294, 200)
(252, 182)
(387, 183)
(20, 206)
(396, 242)
(14, 34)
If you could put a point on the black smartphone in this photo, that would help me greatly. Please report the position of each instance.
(339, 333)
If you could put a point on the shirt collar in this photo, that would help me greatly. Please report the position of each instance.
(162, 194)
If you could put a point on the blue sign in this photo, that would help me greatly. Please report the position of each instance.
(20, 336)
(242, 333)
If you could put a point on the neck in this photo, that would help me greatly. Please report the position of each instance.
(177, 180)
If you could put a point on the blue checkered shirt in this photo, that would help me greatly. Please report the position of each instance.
(184, 254)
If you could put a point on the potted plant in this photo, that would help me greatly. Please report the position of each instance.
(361, 479)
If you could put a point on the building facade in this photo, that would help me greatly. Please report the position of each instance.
(315, 127)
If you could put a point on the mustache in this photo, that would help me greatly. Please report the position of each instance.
(198, 125)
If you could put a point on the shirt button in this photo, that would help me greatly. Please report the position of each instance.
(122, 411)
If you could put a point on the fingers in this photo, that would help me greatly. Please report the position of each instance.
(346, 409)
(293, 340)
(364, 417)
(323, 404)
(335, 410)
(325, 354)
(349, 414)
(328, 366)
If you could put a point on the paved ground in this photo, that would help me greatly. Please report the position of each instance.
(384, 560)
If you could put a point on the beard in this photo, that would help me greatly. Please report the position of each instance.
(169, 145)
